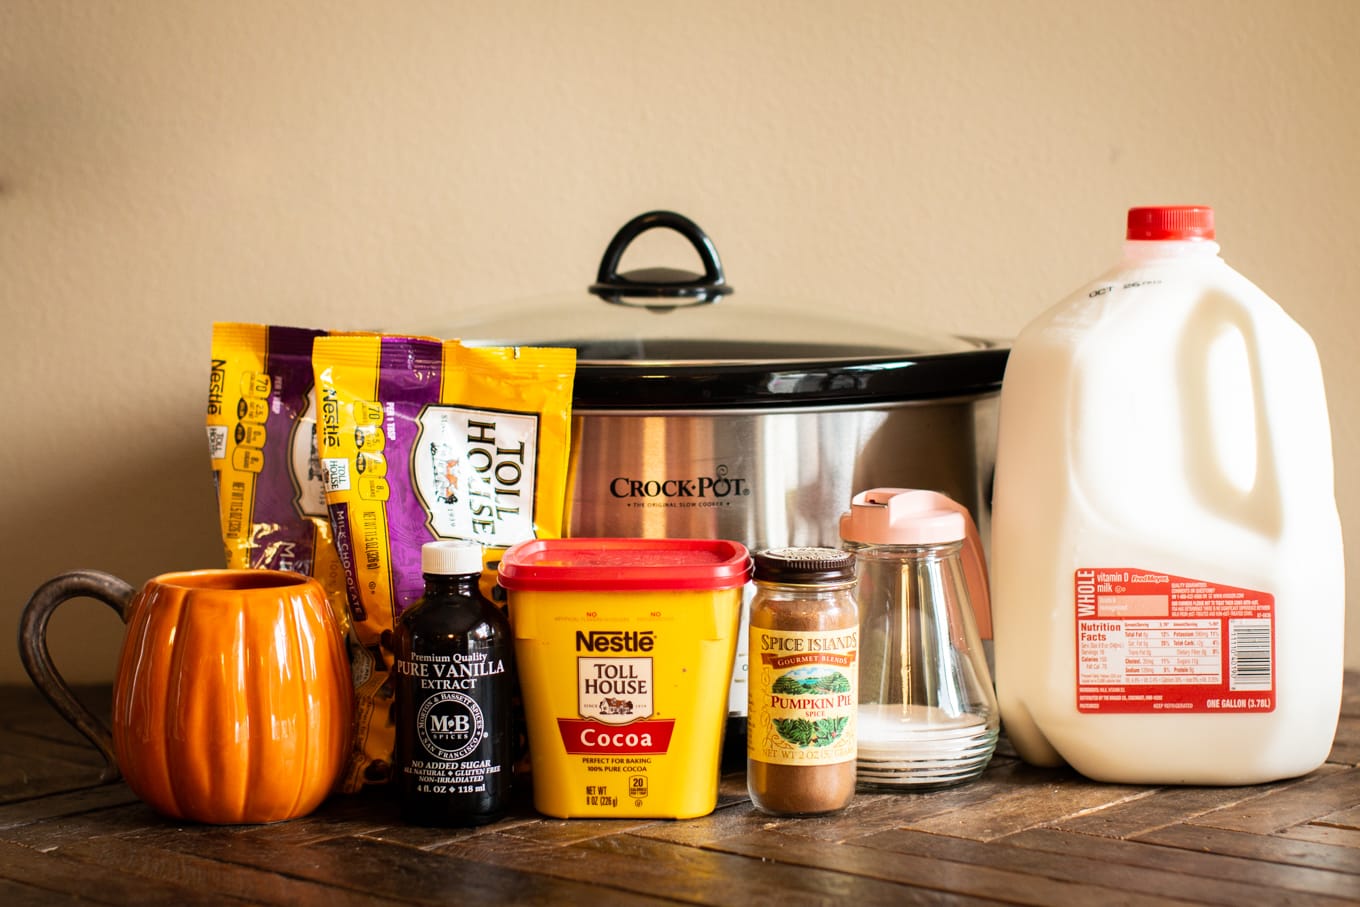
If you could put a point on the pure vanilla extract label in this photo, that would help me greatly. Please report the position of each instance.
(803, 696)
(452, 721)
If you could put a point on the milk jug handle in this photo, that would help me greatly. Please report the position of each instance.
(1216, 314)
(37, 659)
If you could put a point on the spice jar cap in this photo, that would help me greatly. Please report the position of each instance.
(451, 558)
(804, 565)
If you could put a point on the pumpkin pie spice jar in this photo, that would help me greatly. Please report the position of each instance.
(804, 642)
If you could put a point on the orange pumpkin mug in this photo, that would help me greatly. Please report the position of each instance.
(232, 703)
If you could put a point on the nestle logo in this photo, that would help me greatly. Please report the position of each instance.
(615, 641)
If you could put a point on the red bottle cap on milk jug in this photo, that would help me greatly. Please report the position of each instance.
(1171, 222)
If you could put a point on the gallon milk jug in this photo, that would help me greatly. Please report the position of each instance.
(1167, 585)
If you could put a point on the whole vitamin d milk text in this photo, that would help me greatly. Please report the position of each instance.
(1168, 586)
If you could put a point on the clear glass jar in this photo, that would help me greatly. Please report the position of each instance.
(927, 716)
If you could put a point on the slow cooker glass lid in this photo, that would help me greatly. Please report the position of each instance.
(672, 337)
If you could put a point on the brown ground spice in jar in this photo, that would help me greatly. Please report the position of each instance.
(804, 682)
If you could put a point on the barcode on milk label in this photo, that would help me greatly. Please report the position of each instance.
(1249, 655)
(1150, 642)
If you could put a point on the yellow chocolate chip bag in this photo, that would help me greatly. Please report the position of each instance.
(261, 422)
(422, 439)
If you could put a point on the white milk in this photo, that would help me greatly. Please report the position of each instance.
(1167, 577)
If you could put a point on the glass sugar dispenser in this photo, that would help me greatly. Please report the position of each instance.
(928, 715)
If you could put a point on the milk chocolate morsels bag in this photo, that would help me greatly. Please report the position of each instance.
(422, 439)
(261, 424)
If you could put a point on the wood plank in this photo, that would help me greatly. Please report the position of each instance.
(735, 821)
(70, 803)
(1003, 801)
(28, 712)
(1348, 818)
(341, 815)
(1272, 848)
(377, 868)
(951, 865)
(711, 877)
(1325, 791)
(24, 776)
(67, 830)
(41, 754)
(1007, 795)
(36, 747)
(1094, 868)
(688, 874)
(1346, 744)
(66, 875)
(255, 885)
(563, 832)
(1324, 834)
(491, 846)
(18, 893)
(441, 872)
(1158, 808)
(1248, 878)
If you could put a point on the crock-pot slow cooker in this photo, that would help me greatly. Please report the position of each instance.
(700, 415)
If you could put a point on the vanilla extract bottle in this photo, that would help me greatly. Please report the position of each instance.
(454, 688)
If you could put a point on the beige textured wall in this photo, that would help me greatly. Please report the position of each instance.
(943, 165)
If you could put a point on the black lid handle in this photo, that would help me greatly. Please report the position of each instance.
(661, 283)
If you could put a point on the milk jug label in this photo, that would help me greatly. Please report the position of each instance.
(1150, 642)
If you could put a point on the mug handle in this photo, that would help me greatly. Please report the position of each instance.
(33, 651)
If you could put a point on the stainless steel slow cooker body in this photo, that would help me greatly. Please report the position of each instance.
(770, 476)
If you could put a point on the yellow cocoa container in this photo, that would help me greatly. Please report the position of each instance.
(624, 649)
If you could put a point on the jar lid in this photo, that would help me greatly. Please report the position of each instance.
(804, 565)
(1170, 222)
(616, 564)
(454, 557)
(904, 516)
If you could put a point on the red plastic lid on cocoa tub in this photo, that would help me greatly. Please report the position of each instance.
(604, 564)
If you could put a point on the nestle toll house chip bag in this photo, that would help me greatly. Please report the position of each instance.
(421, 439)
(261, 423)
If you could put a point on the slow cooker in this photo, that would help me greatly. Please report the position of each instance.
(698, 414)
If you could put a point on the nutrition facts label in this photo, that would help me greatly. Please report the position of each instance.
(1152, 651)
(1150, 642)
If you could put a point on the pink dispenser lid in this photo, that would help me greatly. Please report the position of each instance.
(913, 516)
(900, 516)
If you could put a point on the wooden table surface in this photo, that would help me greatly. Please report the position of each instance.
(1018, 835)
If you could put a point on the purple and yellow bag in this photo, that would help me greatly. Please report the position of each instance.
(421, 439)
(261, 422)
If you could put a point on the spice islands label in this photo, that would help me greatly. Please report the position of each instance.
(804, 696)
